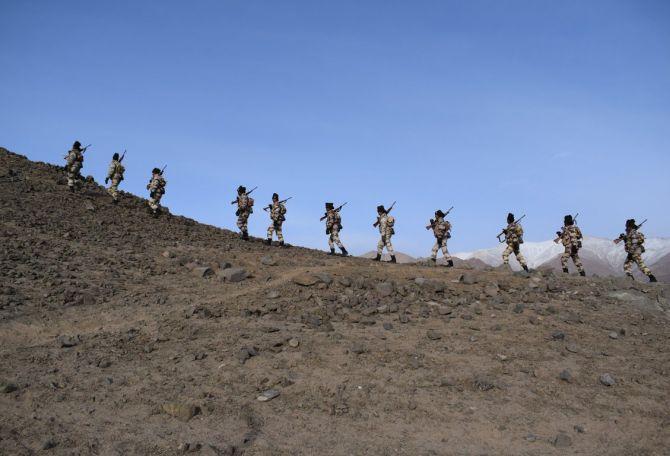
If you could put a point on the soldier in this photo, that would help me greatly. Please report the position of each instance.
(74, 162)
(156, 189)
(634, 245)
(115, 173)
(277, 215)
(333, 227)
(385, 222)
(245, 208)
(441, 230)
(571, 238)
(513, 238)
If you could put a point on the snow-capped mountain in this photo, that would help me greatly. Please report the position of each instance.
(594, 248)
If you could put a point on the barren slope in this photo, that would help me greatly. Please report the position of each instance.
(112, 342)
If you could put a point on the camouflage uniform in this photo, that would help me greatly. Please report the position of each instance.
(441, 230)
(386, 230)
(571, 238)
(244, 210)
(333, 227)
(74, 163)
(156, 189)
(115, 174)
(633, 243)
(277, 215)
(513, 239)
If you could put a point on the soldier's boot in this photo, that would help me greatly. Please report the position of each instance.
(245, 235)
(434, 260)
(332, 251)
(71, 187)
(377, 258)
(525, 267)
(565, 270)
(393, 260)
(281, 243)
(115, 201)
(630, 275)
(269, 242)
(450, 263)
(582, 273)
(652, 278)
(344, 251)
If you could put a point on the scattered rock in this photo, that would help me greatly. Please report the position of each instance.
(468, 278)
(88, 205)
(293, 343)
(225, 265)
(48, 444)
(202, 271)
(268, 395)
(483, 383)
(607, 380)
(579, 429)
(388, 326)
(268, 261)
(558, 335)
(182, 412)
(358, 349)
(324, 277)
(344, 281)
(562, 440)
(8, 387)
(433, 334)
(518, 308)
(613, 335)
(68, 341)
(273, 294)
(403, 318)
(305, 280)
(245, 353)
(565, 375)
(384, 289)
(233, 274)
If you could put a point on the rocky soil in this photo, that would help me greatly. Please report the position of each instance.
(121, 334)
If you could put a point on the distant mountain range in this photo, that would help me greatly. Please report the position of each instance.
(600, 257)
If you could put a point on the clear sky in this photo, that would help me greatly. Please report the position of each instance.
(537, 106)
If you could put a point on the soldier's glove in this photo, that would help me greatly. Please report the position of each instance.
(106, 180)
(327, 230)
(574, 250)
(237, 213)
(558, 233)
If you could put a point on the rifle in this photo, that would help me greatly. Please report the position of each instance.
(82, 150)
(505, 229)
(124, 154)
(246, 194)
(622, 236)
(269, 206)
(163, 170)
(337, 209)
(376, 224)
(432, 221)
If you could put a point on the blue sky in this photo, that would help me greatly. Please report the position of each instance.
(538, 107)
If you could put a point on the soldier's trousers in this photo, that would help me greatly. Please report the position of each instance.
(441, 243)
(242, 221)
(275, 228)
(73, 174)
(154, 201)
(385, 241)
(114, 188)
(636, 258)
(334, 239)
(511, 248)
(574, 254)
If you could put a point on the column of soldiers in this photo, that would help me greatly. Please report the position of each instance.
(569, 235)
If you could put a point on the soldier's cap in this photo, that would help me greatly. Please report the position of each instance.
(439, 213)
(155, 171)
(510, 217)
(115, 156)
(241, 189)
(275, 196)
(76, 145)
(567, 220)
(630, 223)
(380, 208)
(329, 205)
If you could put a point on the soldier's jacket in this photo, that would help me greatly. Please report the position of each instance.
(633, 241)
(441, 228)
(75, 158)
(243, 203)
(333, 220)
(116, 170)
(514, 234)
(386, 223)
(157, 185)
(277, 212)
(571, 236)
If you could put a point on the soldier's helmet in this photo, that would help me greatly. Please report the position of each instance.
(155, 171)
(329, 206)
(381, 209)
(568, 221)
(510, 218)
(275, 197)
(630, 224)
(76, 145)
(115, 156)
(439, 213)
(241, 189)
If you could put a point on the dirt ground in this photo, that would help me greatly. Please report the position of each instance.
(121, 334)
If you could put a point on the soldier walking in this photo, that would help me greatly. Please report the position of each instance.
(244, 210)
(634, 245)
(333, 227)
(385, 222)
(571, 238)
(277, 215)
(442, 231)
(513, 238)
(115, 173)
(74, 162)
(156, 189)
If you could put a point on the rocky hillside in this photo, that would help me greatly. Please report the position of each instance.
(121, 334)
